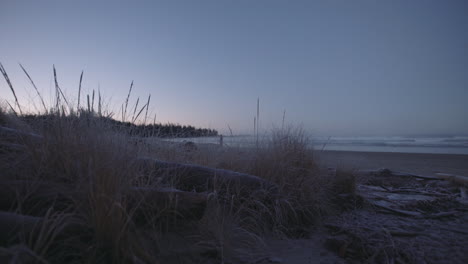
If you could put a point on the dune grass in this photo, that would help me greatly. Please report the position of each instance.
(89, 214)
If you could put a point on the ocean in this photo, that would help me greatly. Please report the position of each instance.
(436, 145)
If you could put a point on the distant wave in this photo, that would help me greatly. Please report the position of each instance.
(462, 140)
(385, 142)
(395, 144)
(448, 145)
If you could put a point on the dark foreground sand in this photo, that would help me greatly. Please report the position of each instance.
(424, 164)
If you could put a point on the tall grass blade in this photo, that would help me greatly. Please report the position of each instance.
(92, 103)
(12, 109)
(35, 87)
(255, 126)
(79, 91)
(284, 116)
(141, 110)
(7, 79)
(134, 110)
(147, 106)
(99, 101)
(58, 90)
(258, 117)
(57, 96)
(126, 101)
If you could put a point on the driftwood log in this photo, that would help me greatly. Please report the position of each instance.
(461, 180)
(189, 177)
(186, 177)
(387, 172)
(458, 179)
(36, 198)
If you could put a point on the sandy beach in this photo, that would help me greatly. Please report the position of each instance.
(425, 164)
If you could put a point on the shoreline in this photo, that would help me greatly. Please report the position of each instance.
(418, 163)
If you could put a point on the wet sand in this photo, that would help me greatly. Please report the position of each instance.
(424, 164)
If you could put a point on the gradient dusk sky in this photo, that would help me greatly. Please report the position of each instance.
(336, 67)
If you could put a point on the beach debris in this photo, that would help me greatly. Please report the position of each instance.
(189, 177)
(387, 206)
(388, 200)
(400, 228)
(395, 193)
(457, 179)
(463, 194)
(388, 172)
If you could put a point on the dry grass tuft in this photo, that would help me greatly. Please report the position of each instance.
(91, 163)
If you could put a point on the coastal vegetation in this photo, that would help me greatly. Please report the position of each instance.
(78, 189)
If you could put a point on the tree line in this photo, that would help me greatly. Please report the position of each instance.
(143, 130)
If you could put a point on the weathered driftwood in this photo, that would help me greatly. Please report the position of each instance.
(190, 177)
(393, 231)
(463, 193)
(406, 174)
(37, 197)
(388, 200)
(415, 191)
(387, 172)
(394, 210)
(462, 180)
(377, 192)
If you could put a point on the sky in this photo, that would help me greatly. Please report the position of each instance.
(334, 67)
